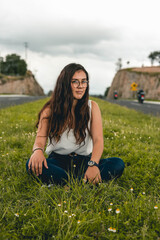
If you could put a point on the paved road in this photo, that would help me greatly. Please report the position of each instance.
(147, 107)
(11, 100)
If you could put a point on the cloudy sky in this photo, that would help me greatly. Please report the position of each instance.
(94, 33)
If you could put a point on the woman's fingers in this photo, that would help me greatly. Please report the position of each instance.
(29, 164)
(96, 179)
(85, 178)
(37, 166)
(41, 165)
(40, 168)
(99, 178)
(33, 166)
(37, 169)
(45, 163)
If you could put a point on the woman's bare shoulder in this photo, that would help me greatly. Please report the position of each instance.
(94, 105)
(46, 112)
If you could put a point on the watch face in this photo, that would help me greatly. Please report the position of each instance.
(90, 163)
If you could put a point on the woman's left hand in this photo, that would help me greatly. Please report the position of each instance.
(93, 175)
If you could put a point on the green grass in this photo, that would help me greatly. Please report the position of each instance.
(31, 210)
(152, 100)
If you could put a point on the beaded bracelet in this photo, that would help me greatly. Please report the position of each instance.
(37, 149)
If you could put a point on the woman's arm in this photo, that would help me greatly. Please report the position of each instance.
(37, 158)
(93, 173)
(97, 133)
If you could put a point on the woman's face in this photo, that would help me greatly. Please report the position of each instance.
(79, 84)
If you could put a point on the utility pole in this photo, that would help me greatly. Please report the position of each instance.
(26, 50)
(119, 64)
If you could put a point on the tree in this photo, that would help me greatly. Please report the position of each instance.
(14, 65)
(106, 91)
(154, 56)
(1, 63)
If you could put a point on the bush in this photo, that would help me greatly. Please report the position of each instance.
(14, 65)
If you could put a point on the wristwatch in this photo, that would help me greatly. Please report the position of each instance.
(92, 163)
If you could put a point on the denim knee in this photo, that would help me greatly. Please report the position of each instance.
(111, 167)
(119, 166)
(120, 163)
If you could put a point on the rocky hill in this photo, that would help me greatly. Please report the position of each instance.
(20, 85)
(146, 78)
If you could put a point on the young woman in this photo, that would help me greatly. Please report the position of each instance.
(73, 126)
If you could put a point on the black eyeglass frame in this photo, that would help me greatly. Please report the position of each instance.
(78, 83)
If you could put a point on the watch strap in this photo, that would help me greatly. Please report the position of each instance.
(92, 163)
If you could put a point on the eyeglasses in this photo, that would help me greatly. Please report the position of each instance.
(76, 83)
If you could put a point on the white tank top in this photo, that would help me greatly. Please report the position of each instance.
(67, 143)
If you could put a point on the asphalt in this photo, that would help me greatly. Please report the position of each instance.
(148, 107)
(12, 100)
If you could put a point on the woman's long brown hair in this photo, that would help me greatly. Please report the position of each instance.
(60, 105)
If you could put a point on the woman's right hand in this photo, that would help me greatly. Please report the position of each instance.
(36, 162)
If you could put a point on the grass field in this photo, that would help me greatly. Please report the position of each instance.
(127, 208)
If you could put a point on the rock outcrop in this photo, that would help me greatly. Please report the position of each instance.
(146, 78)
(20, 85)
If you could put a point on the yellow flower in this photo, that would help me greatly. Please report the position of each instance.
(117, 210)
(16, 214)
(109, 209)
(64, 201)
(110, 229)
(59, 205)
(156, 207)
(111, 203)
(131, 189)
(78, 221)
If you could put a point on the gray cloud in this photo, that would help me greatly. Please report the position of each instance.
(59, 38)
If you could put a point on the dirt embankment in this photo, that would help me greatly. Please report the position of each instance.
(20, 85)
(146, 78)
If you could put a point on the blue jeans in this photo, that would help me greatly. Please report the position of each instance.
(61, 167)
